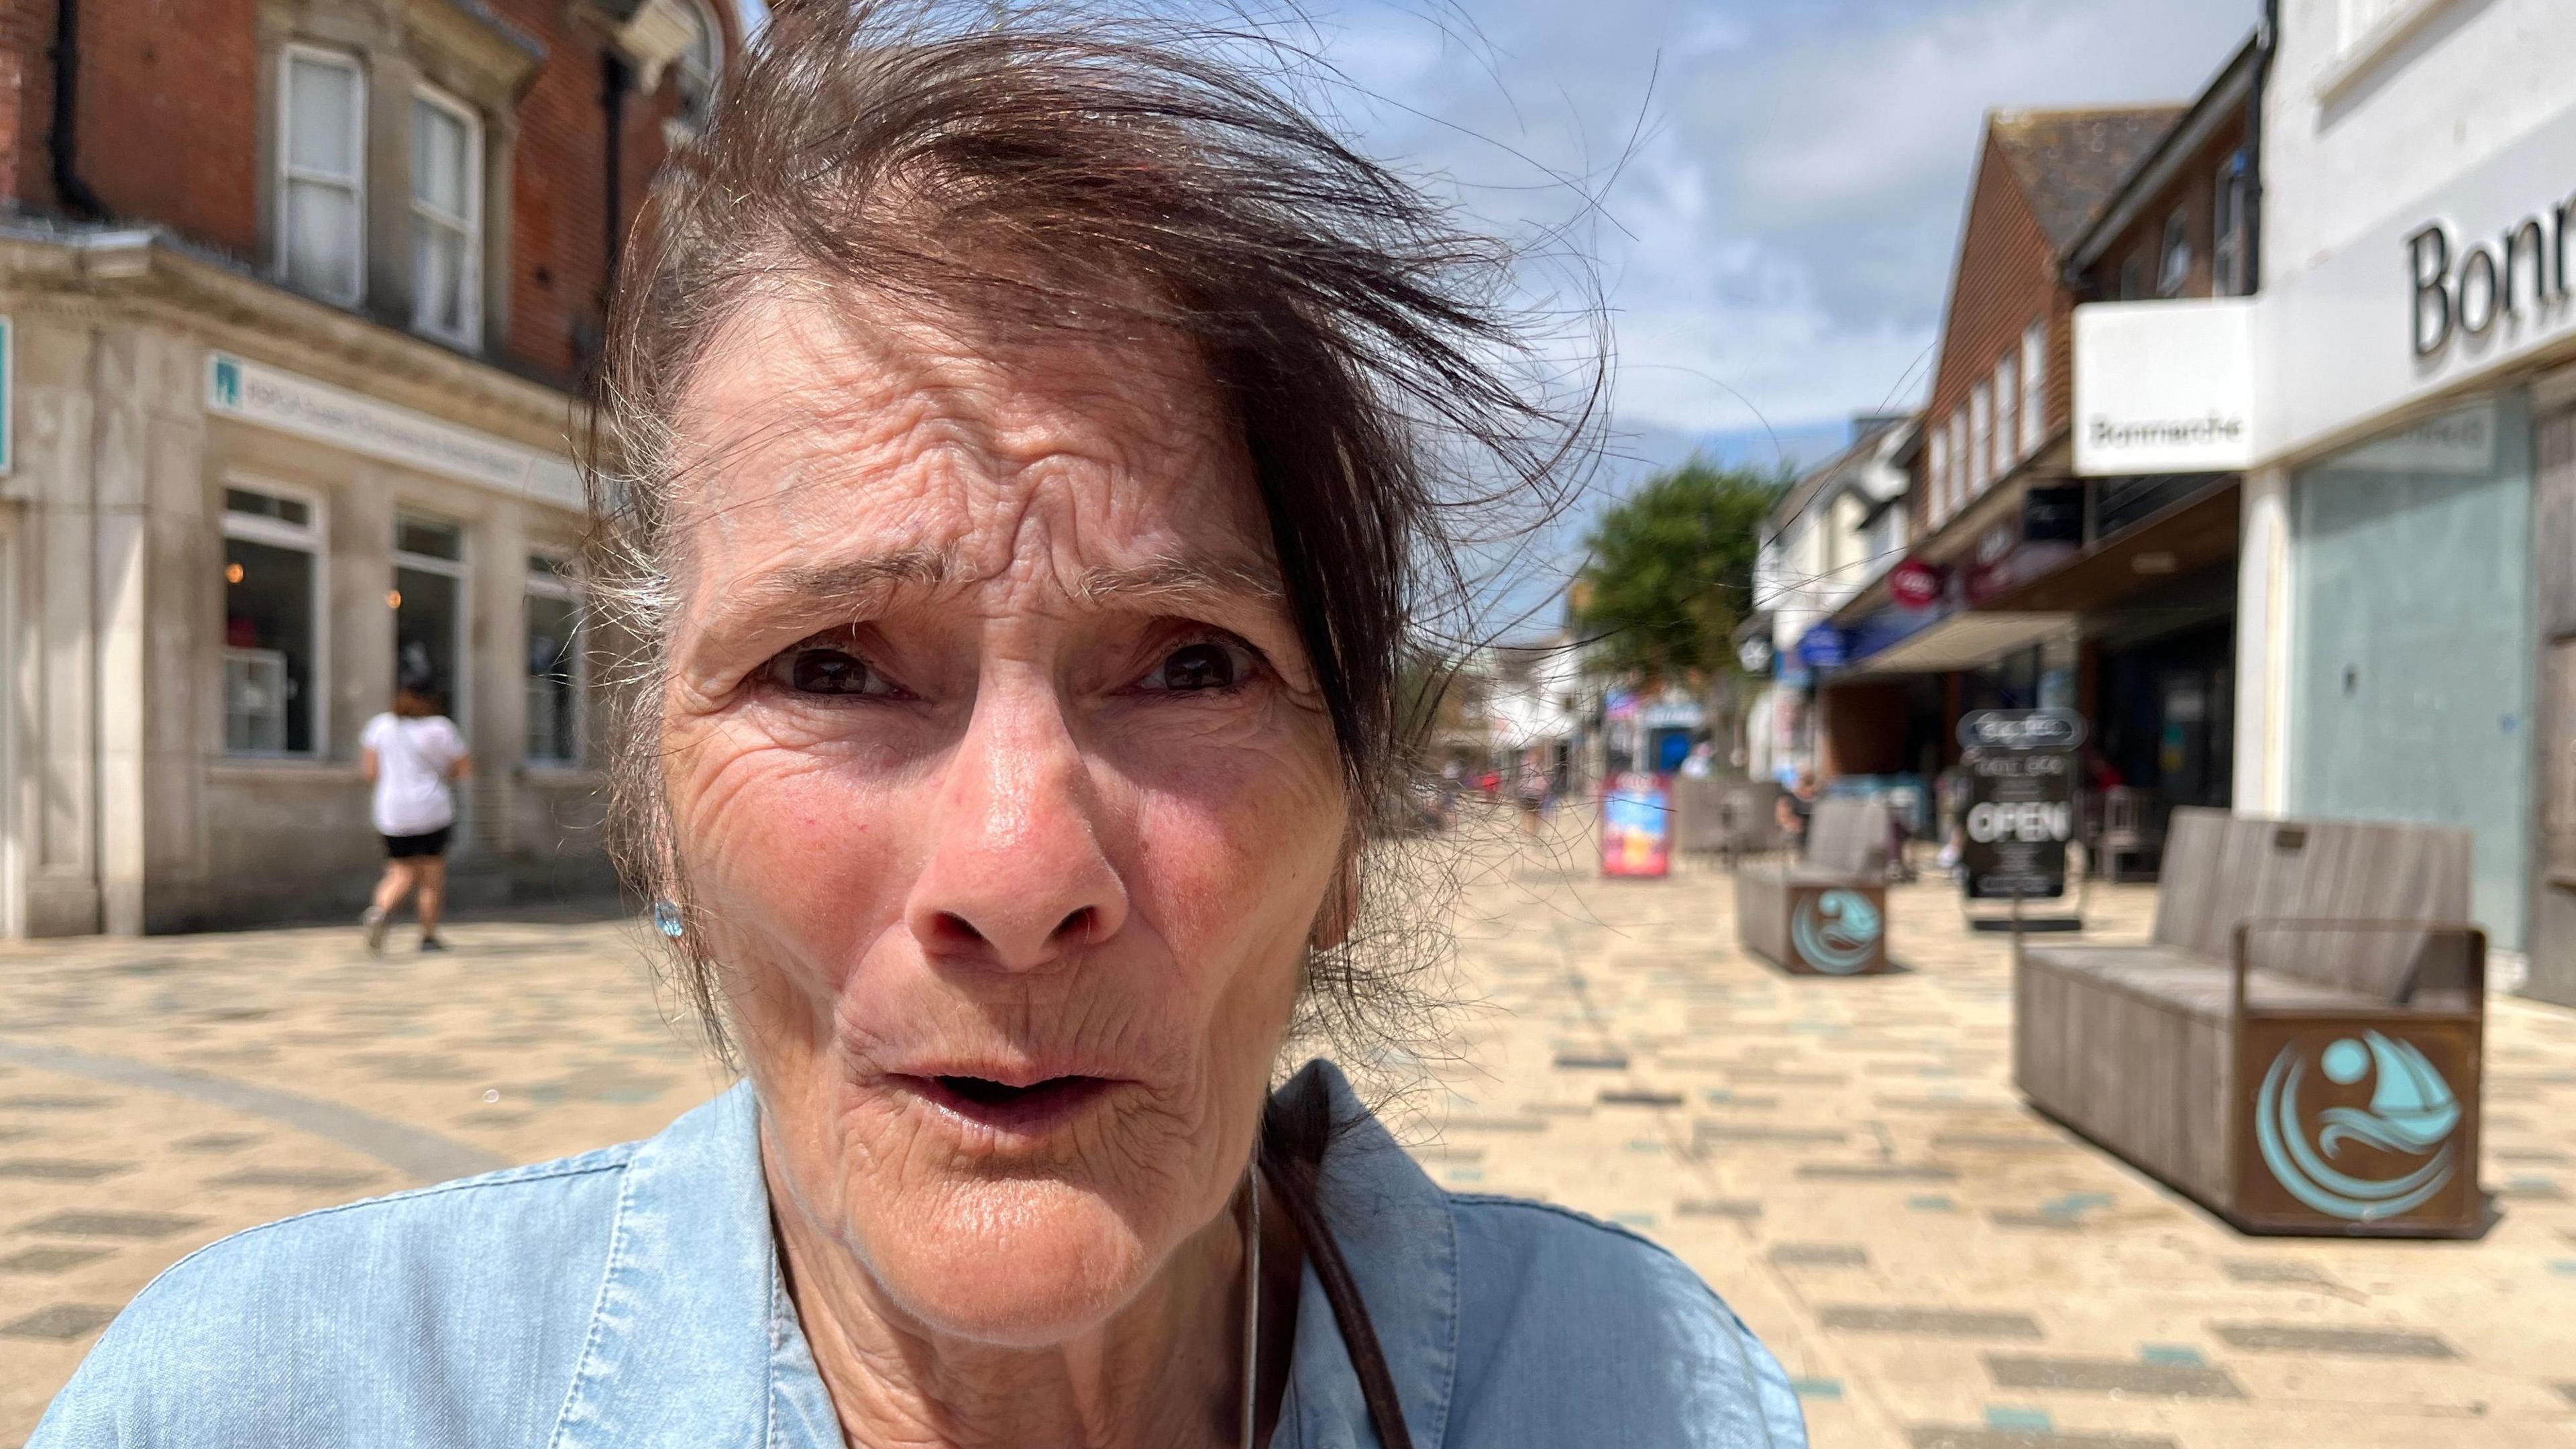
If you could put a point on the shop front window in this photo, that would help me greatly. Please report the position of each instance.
(428, 605)
(272, 622)
(553, 663)
(2411, 689)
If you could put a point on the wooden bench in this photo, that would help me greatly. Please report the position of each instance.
(1825, 915)
(2298, 1046)
(1726, 817)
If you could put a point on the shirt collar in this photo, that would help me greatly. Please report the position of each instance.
(1400, 1240)
(694, 1344)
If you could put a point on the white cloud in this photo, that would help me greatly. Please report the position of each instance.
(1778, 242)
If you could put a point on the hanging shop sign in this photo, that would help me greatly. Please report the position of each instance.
(2015, 549)
(290, 403)
(1755, 654)
(1914, 584)
(2164, 386)
(2022, 729)
(1824, 647)
(1637, 825)
(2021, 802)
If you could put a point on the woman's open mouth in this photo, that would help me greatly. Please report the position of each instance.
(1040, 1106)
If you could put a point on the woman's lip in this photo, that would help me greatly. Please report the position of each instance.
(1026, 1109)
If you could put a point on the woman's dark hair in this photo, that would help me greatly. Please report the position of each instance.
(1056, 170)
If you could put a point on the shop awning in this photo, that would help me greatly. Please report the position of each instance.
(1963, 641)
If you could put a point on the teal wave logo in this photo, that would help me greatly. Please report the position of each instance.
(1836, 931)
(2412, 1116)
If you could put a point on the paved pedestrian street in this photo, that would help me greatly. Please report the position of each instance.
(1843, 1159)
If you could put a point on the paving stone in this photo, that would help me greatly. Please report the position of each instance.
(144, 1226)
(2015, 1219)
(1877, 1172)
(1819, 1255)
(293, 1177)
(1737, 1132)
(1997, 1142)
(61, 1321)
(1639, 1099)
(220, 1142)
(1703, 1207)
(1928, 1322)
(2315, 1338)
(2277, 1270)
(2111, 1375)
(60, 1169)
(49, 1260)
(1937, 1436)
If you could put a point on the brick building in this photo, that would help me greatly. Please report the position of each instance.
(297, 298)
(1992, 460)
(2037, 575)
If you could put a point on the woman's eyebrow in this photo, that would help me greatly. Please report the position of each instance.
(1181, 581)
(859, 584)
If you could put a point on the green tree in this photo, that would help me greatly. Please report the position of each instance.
(1671, 572)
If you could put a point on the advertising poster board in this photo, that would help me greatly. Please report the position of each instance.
(2020, 812)
(1637, 825)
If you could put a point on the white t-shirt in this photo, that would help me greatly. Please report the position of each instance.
(413, 757)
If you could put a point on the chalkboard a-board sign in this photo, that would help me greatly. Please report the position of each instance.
(2021, 802)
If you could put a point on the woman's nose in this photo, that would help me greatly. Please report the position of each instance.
(1016, 876)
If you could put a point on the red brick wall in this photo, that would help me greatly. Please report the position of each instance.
(2194, 190)
(2006, 276)
(26, 90)
(168, 125)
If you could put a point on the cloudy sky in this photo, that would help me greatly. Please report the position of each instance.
(1771, 190)
(1781, 181)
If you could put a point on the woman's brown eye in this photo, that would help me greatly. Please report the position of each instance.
(1194, 667)
(829, 671)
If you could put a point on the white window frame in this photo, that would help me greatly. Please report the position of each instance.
(556, 585)
(460, 568)
(469, 335)
(1958, 458)
(2034, 386)
(1940, 444)
(2007, 412)
(288, 174)
(313, 539)
(2173, 253)
(2227, 230)
(1981, 434)
(695, 109)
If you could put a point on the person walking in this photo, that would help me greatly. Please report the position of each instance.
(410, 756)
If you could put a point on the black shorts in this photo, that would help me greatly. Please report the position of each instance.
(409, 847)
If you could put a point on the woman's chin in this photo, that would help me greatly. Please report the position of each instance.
(1019, 1264)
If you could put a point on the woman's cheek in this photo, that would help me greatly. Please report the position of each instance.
(796, 845)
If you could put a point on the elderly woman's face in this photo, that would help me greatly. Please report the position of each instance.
(1005, 796)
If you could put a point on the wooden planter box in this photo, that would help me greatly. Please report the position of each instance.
(1827, 915)
(2320, 1077)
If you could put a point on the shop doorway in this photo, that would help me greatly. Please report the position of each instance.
(429, 610)
(2166, 718)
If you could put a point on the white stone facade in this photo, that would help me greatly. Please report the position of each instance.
(123, 808)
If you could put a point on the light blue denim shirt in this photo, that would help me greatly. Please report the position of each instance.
(631, 1298)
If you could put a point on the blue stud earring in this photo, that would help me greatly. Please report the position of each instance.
(666, 918)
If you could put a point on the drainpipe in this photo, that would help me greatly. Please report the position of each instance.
(614, 79)
(70, 191)
(2264, 44)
